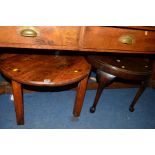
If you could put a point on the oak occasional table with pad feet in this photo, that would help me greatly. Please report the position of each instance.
(109, 68)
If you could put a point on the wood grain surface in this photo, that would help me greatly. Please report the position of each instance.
(47, 70)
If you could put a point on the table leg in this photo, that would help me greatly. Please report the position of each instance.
(18, 102)
(81, 90)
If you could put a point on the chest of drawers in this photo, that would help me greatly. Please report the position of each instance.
(86, 38)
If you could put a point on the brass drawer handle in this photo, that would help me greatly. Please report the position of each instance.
(126, 39)
(28, 32)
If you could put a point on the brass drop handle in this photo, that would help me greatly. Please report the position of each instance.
(126, 39)
(28, 32)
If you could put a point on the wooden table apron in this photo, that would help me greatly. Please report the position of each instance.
(131, 39)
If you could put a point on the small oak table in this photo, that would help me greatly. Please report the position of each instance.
(124, 67)
(45, 70)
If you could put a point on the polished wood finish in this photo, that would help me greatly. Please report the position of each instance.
(82, 86)
(18, 102)
(128, 68)
(138, 94)
(104, 79)
(81, 38)
(48, 37)
(6, 88)
(108, 38)
(45, 70)
(131, 68)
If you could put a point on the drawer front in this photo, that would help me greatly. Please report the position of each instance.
(39, 36)
(119, 39)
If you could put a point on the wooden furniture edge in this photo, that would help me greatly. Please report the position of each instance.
(6, 88)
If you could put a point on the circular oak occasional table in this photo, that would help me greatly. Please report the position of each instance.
(112, 67)
(45, 70)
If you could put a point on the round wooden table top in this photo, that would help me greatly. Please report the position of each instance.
(122, 66)
(44, 70)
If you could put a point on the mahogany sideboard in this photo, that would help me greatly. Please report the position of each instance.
(129, 39)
